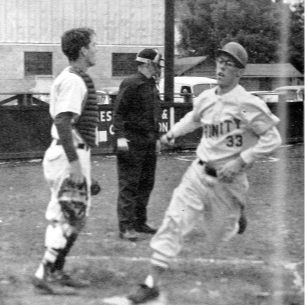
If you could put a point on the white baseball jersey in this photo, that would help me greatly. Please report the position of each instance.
(68, 93)
(233, 124)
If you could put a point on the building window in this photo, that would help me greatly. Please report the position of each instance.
(123, 64)
(37, 63)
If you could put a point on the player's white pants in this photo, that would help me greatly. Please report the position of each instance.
(197, 195)
(56, 169)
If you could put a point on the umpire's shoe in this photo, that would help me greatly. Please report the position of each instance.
(129, 234)
(145, 229)
(142, 294)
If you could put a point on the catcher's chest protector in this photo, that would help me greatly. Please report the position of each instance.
(88, 121)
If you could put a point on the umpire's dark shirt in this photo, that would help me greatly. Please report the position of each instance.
(137, 109)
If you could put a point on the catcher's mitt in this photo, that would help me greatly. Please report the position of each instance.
(73, 198)
(95, 187)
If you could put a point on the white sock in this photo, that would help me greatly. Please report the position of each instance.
(40, 272)
(149, 282)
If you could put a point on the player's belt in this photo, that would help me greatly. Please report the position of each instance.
(209, 169)
(79, 145)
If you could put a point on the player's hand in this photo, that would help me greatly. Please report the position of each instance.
(76, 174)
(228, 171)
(122, 144)
(168, 139)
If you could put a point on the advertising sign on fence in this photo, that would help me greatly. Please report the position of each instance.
(25, 129)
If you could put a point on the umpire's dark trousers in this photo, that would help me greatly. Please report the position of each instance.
(136, 174)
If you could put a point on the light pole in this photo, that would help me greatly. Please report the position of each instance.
(169, 38)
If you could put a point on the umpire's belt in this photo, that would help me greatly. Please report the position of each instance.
(79, 145)
(209, 169)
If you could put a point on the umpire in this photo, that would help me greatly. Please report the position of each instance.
(136, 127)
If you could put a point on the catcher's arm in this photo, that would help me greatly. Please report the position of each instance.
(63, 123)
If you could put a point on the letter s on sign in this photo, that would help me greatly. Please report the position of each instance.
(109, 116)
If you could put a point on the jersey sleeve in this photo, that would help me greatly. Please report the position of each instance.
(257, 115)
(71, 95)
(190, 122)
(266, 144)
(263, 123)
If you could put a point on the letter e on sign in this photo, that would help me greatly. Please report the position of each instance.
(102, 116)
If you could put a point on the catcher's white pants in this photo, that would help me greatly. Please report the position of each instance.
(197, 195)
(56, 168)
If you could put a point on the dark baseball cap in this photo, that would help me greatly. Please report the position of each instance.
(235, 50)
(150, 55)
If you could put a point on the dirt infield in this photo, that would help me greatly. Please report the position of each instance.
(264, 266)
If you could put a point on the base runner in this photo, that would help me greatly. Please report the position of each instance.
(238, 129)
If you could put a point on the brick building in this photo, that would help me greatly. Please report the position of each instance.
(30, 33)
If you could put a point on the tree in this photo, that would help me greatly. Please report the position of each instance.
(207, 25)
(298, 7)
(296, 36)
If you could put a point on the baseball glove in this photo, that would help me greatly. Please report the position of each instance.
(73, 198)
(95, 187)
(210, 170)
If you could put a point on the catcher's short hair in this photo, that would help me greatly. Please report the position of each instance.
(73, 40)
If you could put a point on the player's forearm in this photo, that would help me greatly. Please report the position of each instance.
(186, 125)
(267, 144)
(64, 128)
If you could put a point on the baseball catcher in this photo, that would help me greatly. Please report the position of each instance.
(66, 163)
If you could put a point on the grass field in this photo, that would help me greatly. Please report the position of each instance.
(264, 266)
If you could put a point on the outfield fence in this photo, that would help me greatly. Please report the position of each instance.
(25, 126)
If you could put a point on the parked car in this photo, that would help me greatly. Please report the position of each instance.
(188, 87)
(107, 95)
(293, 93)
(267, 96)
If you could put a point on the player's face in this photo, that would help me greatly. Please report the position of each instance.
(227, 73)
(90, 52)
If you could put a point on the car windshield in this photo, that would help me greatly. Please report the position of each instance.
(199, 88)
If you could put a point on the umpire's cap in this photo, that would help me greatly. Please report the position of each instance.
(150, 55)
(237, 51)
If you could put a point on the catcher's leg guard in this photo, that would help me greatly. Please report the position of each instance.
(73, 198)
(62, 253)
(45, 268)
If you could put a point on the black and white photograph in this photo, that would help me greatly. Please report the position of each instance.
(152, 152)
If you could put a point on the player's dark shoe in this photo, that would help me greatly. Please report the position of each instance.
(64, 279)
(146, 229)
(142, 294)
(42, 286)
(130, 235)
(242, 222)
